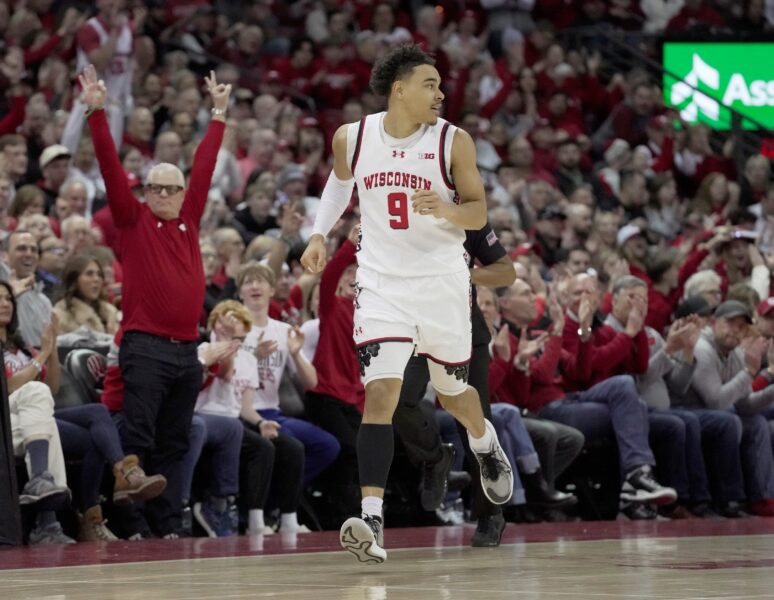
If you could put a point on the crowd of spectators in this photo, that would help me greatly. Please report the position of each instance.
(642, 314)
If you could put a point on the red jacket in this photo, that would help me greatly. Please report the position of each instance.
(612, 353)
(545, 382)
(338, 368)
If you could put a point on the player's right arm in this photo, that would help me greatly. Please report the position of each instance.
(333, 202)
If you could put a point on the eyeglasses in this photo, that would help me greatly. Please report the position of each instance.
(157, 188)
(55, 249)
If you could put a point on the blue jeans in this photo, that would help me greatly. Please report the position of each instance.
(610, 407)
(320, 447)
(224, 441)
(88, 432)
(713, 436)
(757, 459)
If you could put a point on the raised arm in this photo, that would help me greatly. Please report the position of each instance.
(123, 204)
(207, 152)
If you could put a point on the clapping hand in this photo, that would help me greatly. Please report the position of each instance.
(501, 343)
(296, 340)
(528, 348)
(94, 91)
(265, 348)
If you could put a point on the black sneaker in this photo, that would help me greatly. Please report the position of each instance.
(364, 537)
(640, 486)
(731, 510)
(489, 531)
(496, 472)
(634, 511)
(703, 510)
(434, 482)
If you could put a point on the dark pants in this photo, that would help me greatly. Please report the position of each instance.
(265, 465)
(342, 420)
(611, 407)
(557, 445)
(87, 432)
(223, 440)
(420, 435)
(162, 379)
(321, 448)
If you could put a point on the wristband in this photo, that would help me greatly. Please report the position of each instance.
(92, 109)
(34, 362)
(218, 112)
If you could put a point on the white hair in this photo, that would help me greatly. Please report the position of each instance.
(163, 168)
(700, 281)
(69, 184)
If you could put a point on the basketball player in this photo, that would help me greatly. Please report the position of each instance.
(419, 191)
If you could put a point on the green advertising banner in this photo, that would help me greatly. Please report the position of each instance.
(726, 75)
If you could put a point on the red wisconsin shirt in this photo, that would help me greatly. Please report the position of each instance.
(163, 289)
(338, 368)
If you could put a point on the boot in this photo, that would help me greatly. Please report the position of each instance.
(133, 484)
(93, 527)
(541, 495)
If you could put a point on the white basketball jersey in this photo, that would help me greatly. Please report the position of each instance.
(118, 74)
(395, 240)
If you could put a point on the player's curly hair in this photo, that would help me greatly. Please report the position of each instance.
(396, 64)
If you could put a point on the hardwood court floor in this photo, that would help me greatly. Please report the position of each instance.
(697, 560)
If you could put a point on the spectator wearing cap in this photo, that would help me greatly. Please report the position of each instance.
(548, 233)
(727, 361)
(54, 166)
(634, 249)
(743, 263)
(669, 372)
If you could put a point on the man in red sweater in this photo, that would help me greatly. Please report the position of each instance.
(598, 401)
(163, 292)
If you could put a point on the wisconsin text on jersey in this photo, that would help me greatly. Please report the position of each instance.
(396, 179)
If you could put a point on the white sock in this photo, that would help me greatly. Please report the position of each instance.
(484, 443)
(372, 506)
(288, 522)
(255, 520)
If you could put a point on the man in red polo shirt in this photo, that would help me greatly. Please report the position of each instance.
(163, 292)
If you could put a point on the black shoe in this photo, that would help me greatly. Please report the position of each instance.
(541, 496)
(434, 485)
(638, 512)
(731, 510)
(489, 531)
(703, 510)
(458, 480)
(640, 486)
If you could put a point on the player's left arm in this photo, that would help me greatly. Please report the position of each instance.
(470, 213)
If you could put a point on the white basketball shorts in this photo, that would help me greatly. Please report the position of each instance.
(397, 316)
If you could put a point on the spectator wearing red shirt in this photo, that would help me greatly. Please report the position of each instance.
(163, 293)
(297, 71)
(597, 405)
(334, 80)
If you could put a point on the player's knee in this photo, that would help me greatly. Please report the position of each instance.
(381, 399)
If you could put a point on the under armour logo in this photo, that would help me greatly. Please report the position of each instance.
(398, 153)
